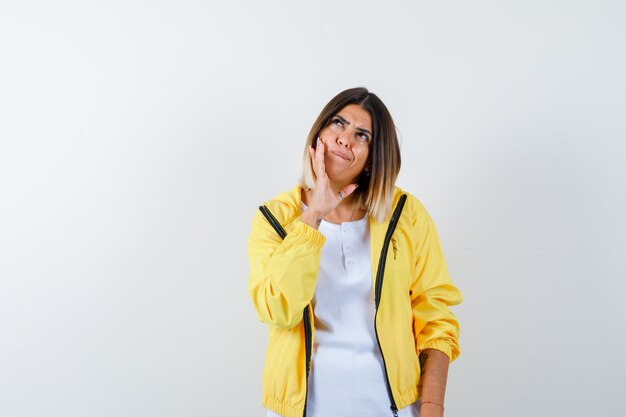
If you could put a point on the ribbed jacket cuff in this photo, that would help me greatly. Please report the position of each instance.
(441, 345)
(312, 234)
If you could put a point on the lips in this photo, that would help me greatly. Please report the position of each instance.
(341, 155)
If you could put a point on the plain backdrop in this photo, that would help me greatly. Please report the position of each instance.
(138, 138)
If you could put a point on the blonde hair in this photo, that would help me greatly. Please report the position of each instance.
(376, 189)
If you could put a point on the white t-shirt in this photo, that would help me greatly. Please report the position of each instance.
(347, 377)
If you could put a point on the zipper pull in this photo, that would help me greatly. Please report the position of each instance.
(394, 410)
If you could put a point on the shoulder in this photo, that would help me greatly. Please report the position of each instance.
(413, 206)
(285, 206)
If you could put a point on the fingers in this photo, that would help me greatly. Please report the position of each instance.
(317, 158)
(349, 189)
(320, 149)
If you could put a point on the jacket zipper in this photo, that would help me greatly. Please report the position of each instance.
(379, 287)
(308, 338)
(308, 334)
(378, 291)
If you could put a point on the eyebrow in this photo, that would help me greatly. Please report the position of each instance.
(360, 129)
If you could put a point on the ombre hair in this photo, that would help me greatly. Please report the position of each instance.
(375, 191)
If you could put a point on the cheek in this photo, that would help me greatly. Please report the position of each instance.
(362, 156)
(324, 133)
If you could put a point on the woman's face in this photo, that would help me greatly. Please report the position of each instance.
(347, 138)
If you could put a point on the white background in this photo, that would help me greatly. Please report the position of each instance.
(137, 139)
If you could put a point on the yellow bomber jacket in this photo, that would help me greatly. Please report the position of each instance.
(412, 289)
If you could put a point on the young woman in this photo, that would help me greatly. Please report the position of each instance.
(348, 272)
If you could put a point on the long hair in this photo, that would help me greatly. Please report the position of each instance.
(375, 191)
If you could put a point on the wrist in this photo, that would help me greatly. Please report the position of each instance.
(311, 217)
(435, 407)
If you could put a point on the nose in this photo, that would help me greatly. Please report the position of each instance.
(344, 138)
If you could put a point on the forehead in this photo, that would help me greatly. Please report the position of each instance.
(357, 116)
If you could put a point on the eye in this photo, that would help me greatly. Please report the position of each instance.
(364, 136)
(337, 122)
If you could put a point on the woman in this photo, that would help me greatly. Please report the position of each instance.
(347, 270)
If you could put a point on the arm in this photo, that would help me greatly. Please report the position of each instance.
(436, 328)
(283, 272)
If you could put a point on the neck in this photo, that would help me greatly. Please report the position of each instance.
(346, 211)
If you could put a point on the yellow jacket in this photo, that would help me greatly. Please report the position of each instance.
(412, 291)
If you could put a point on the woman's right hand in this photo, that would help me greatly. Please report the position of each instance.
(323, 199)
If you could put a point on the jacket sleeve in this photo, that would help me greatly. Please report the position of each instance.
(433, 292)
(283, 272)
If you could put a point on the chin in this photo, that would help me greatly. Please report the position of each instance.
(340, 178)
(333, 174)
